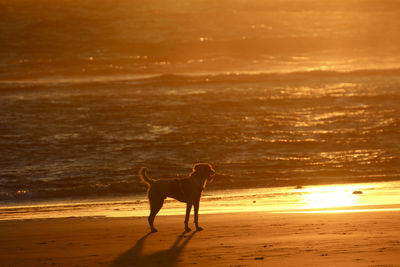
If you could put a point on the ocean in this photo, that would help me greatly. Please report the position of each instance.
(274, 94)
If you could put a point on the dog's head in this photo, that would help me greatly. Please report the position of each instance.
(204, 170)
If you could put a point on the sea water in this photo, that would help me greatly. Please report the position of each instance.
(271, 93)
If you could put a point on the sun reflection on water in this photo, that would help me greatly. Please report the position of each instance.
(329, 199)
(335, 196)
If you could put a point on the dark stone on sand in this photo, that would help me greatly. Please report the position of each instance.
(357, 192)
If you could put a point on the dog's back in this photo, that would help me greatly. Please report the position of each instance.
(181, 189)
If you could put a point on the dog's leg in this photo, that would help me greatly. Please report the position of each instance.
(196, 215)
(155, 206)
(188, 209)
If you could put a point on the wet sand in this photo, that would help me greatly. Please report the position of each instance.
(240, 239)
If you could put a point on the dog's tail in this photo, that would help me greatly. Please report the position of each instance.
(143, 176)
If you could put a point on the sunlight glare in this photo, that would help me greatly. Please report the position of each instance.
(331, 197)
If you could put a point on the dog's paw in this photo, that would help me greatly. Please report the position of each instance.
(199, 229)
(187, 229)
(154, 230)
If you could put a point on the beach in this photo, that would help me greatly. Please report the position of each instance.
(236, 239)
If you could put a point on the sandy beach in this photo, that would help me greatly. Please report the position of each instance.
(238, 239)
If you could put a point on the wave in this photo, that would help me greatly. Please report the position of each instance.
(234, 77)
(324, 127)
(198, 78)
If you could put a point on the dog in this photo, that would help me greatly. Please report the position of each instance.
(186, 190)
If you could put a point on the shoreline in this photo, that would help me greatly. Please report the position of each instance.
(181, 211)
(316, 199)
(229, 239)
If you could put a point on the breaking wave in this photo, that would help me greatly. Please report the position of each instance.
(198, 78)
